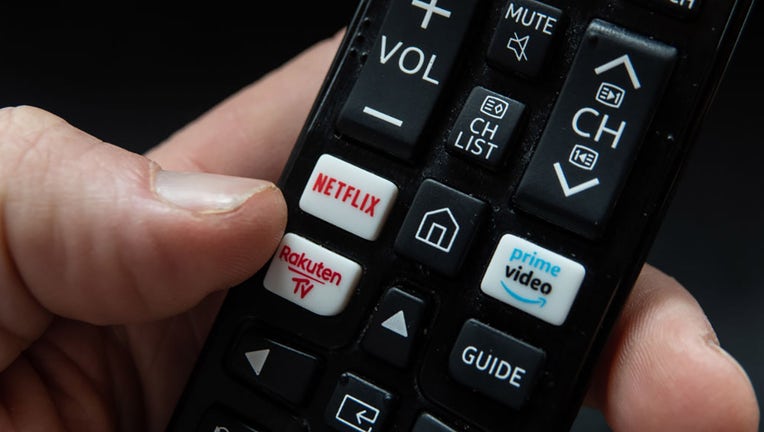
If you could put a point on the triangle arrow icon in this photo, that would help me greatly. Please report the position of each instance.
(257, 359)
(397, 324)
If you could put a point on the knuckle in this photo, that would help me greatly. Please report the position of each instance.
(22, 131)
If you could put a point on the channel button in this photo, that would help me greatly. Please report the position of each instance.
(533, 279)
(596, 128)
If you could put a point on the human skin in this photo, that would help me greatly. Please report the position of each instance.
(113, 265)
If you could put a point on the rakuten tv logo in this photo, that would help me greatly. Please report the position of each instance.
(307, 272)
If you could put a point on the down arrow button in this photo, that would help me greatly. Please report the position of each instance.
(594, 132)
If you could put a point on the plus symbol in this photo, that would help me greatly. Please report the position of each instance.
(431, 8)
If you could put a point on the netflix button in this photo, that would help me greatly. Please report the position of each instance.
(348, 197)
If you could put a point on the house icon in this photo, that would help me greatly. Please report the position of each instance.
(438, 229)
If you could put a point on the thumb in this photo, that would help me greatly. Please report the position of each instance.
(95, 233)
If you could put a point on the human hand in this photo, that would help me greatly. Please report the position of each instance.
(112, 269)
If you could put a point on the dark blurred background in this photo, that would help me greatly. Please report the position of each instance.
(132, 73)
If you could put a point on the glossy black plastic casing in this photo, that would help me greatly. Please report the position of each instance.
(705, 44)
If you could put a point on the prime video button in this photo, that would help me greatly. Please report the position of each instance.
(533, 279)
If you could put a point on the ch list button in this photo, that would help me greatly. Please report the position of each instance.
(485, 127)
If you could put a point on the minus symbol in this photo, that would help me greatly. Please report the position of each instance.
(382, 116)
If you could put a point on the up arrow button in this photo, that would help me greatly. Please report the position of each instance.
(624, 61)
(397, 324)
(593, 134)
(394, 327)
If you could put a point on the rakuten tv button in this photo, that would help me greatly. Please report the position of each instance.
(311, 276)
(281, 369)
(495, 364)
(348, 197)
(439, 227)
(523, 36)
(485, 126)
(533, 279)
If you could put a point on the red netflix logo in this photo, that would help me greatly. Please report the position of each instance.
(346, 193)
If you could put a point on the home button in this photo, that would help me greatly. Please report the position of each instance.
(439, 227)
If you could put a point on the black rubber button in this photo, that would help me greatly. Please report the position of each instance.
(523, 37)
(485, 126)
(405, 73)
(358, 406)
(394, 327)
(593, 134)
(278, 368)
(439, 227)
(495, 364)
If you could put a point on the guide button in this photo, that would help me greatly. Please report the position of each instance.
(495, 364)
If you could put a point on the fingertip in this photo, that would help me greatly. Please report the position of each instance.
(664, 369)
(102, 235)
(694, 388)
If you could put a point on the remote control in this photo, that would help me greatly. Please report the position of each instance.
(470, 203)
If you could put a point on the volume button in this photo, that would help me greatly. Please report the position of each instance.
(407, 68)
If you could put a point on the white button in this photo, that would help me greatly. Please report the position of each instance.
(311, 276)
(348, 197)
(533, 279)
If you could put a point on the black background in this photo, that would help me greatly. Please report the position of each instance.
(132, 73)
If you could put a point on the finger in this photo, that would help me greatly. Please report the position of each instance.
(252, 133)
(98, 234)
(663, 369)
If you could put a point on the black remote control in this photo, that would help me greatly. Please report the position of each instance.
(470, 203)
